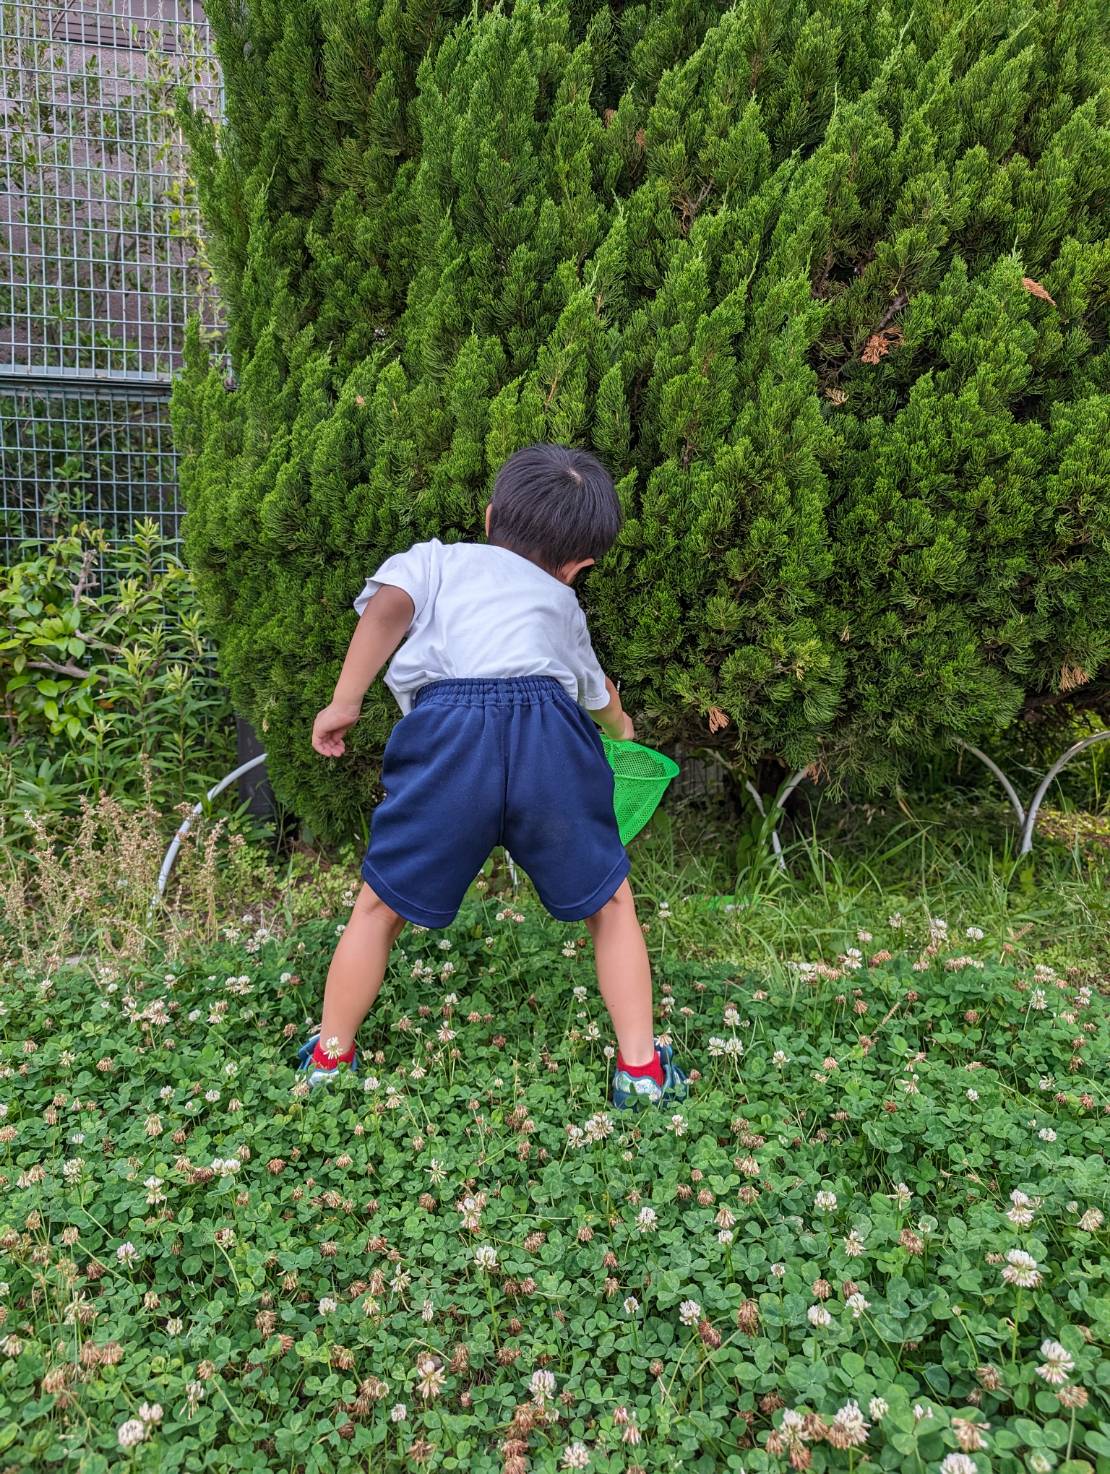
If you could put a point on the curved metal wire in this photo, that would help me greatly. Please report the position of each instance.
(1027, 818)
(780, 802)
(1046, 782)
(187, 824)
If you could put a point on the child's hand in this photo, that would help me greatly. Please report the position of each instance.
(628, 731)
(329, 727)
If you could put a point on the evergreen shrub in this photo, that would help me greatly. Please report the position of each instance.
(825, 285)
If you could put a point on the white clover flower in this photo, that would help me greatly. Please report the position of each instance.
(901, 1196)
(150, 1412)
(1058, 1363)
(853, 1244)
(780, 1058)
(127, 1253)
(731, 1015)
(1091, 1221)
(576, 1455)
(857, 1304)
(485, 1256)
(1046, 1133)
(825, 1200)
(975, 933)
(1022, 1208)
(647, 1220)
(724, 1236)
(778, 1270)
(130, 1433)
(327, 1304)
(1041, 1463)
(973, 1095)
(631, 1305)
(678, 1125)
(897, 921)
(921, 1410)
(877, 1409)
(689, 1312)
(398, 1412)
(1021, 1270)
(817, 1315)
(542, 1385)
(852, 1424)
(957, 1464)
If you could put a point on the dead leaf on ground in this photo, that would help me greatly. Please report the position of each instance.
(879, 344)
(1035, 289)
(717, 719)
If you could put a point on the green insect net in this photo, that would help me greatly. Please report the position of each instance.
(641, 776)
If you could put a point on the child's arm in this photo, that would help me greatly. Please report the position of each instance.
(382, 626)
(613, 720)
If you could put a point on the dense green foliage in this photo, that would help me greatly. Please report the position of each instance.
(109, 680)
(825, 285)
(220, 1273)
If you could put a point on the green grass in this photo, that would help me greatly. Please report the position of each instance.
(276, 1311)
(850, 867)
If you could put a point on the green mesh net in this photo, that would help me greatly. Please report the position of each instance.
(641, 776)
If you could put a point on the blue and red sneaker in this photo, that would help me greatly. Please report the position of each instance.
(317, 1074)
(633, 1092)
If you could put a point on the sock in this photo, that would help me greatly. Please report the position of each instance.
(322, 1062)
(652, 1068)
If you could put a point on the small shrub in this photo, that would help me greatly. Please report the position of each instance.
(110, 686)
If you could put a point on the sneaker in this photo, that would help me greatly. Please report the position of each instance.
(636, 1091)
(317, 1076)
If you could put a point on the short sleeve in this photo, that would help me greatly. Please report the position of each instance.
(592, 691)
(408, 571)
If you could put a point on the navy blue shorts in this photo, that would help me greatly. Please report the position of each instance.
(477, 764)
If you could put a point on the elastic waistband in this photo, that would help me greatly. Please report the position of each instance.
(507, 691)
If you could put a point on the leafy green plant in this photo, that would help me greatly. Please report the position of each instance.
(824, 286)
(878, 1229)
(109, 686)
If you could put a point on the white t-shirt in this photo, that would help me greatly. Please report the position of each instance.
(485, 612)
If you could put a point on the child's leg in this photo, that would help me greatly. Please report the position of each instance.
(358, 967)
(624, 975)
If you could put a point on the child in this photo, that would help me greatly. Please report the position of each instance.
(494, 747)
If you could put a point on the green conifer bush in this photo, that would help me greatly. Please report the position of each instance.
(825, 285)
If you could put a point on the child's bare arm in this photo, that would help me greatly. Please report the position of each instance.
(383, 625)
(613, 720)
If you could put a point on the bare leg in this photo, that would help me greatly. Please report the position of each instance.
(624, 975)
(358, 967)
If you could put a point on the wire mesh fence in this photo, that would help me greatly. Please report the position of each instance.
(103, 259)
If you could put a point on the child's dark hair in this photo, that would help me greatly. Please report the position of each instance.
(554, 505)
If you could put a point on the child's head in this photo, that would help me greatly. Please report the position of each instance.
(555, 506)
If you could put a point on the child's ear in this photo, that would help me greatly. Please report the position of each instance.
(570, 571)
(489, 514)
